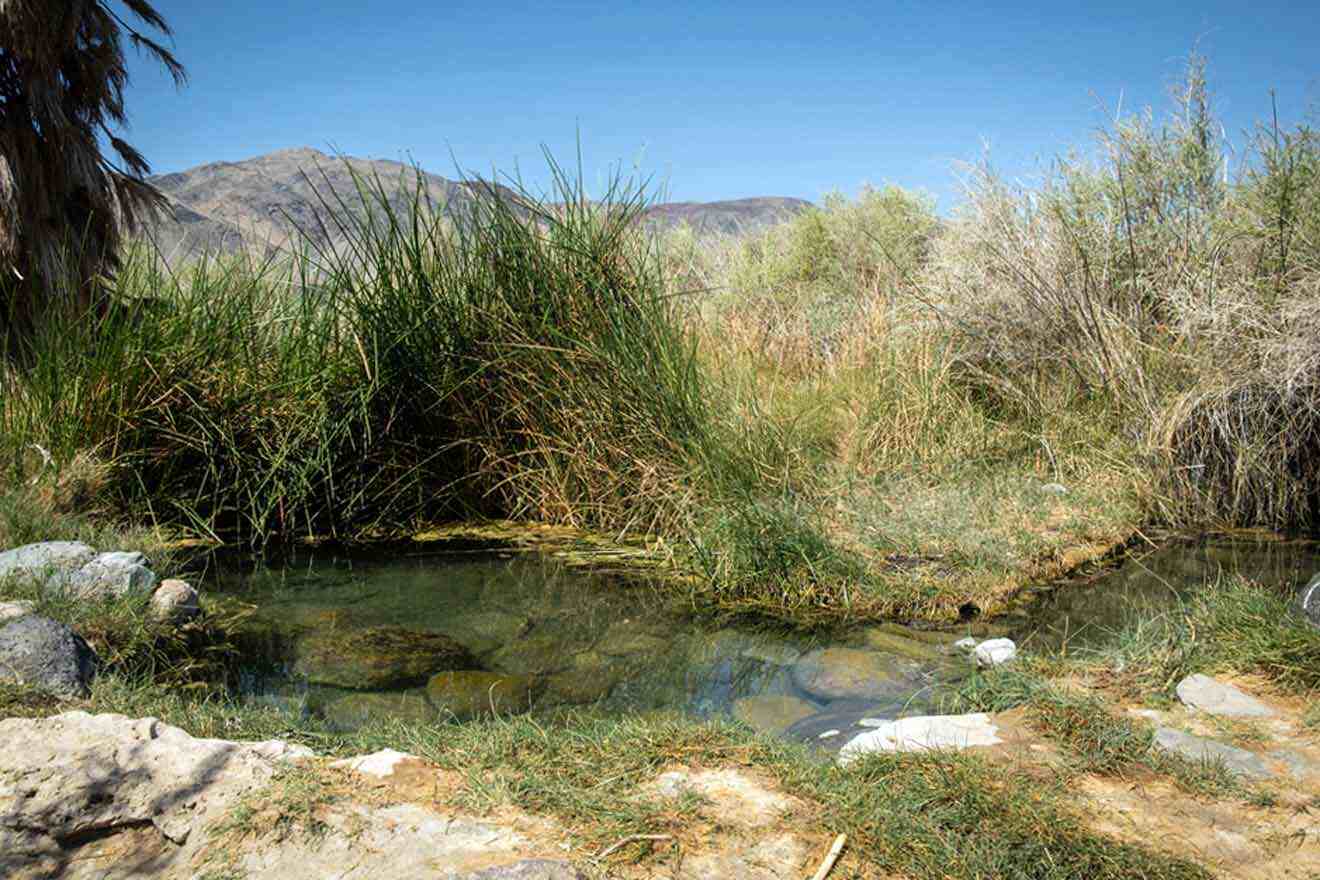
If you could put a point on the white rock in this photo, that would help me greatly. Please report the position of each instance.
(11, 610)
(995, 652)
(1219, 698)
(1054, 489)
(74, 774)
(175, 600)
(924, 733)
(379, 764)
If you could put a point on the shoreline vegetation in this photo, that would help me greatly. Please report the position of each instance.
(868, 412)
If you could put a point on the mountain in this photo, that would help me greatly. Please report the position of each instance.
(728, 217)
(266, 200)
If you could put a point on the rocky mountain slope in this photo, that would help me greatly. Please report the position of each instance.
(266, 200)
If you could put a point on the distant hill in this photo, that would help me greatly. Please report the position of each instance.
(266, 200)
(729, 217)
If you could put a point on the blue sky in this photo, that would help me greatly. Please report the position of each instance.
(713, 100)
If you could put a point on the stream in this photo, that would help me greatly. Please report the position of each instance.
(428, 636)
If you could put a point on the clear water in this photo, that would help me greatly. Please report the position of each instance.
(585, 639)
(616, 647)
(1087, 612)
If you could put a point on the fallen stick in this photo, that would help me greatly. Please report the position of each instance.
(629, 839)
(830, 858)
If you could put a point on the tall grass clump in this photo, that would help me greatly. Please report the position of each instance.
(521, 362)
(1164, 291)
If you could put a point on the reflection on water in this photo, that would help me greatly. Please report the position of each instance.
(1084, 614)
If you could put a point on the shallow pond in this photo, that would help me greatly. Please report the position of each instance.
(1088, 611)
(426, 636)
(351, 638)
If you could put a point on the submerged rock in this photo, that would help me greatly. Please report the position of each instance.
(626, 638)
(351, 711)
(378, 657)
(538, 654)
(590, 679)
(849, 673)
(891, 640)
(1219, 698)
(468, 694)
(45, 654)
(1203, 750)
(772, 713)
(923, 733)
(484, 631)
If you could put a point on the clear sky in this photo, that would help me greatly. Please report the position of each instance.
(713, 99)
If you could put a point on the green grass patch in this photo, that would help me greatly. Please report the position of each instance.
(920, 816)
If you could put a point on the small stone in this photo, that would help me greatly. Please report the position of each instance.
(175, 600)
(380, 764)
(47, 655)
(924, 733)
(1203, 750)
(1219, 698)
(995, 652)
(829, 734)
(11, 610)
(967, 645)
(1054, 489)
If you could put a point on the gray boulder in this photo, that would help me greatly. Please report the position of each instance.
(37, 563)
(1209, 751)
(45, 654)
(108, 576)
(10, 610)
(1218, 698)
(73, 569)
